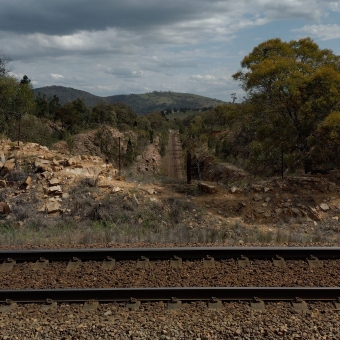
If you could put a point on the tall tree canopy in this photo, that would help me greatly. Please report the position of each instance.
(16, 99)
(293, 87)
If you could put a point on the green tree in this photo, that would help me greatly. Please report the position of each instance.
(104, 113)
(46, 108)
(125, 116)
(25, 80)
(292, 87)
(156, 120)
(73, 116)
(130, 153)
(16, 99)
(325, 143)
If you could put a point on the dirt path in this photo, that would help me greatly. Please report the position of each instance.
(175, 156)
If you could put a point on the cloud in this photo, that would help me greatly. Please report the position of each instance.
(126, 73)
(335, 6)
(323, 32)
(288, 9)
(63, 27)
(56, 76)
(112, 47)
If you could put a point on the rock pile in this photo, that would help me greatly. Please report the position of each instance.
(53, 173)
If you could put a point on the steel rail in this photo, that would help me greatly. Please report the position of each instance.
(168, 293)
(119, 254)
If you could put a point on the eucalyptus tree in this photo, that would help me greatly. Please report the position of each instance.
(293, 87)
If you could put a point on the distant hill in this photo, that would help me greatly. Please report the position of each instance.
(68, 94)
(140, 103)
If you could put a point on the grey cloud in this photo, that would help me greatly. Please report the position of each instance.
(125, 46)
(126, 72)
(64, 17)
(67, 17)
(287, 9)
(63, 27)
(182, 63)
(323, 32)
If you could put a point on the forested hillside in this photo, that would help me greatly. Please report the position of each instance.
(140, 103)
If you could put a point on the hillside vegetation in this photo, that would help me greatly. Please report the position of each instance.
(289, 120)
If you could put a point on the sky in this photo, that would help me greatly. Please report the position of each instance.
(109, 47)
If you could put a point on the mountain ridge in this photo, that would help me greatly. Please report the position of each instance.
(140, 103)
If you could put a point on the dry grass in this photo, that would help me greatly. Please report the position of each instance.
(65, 231)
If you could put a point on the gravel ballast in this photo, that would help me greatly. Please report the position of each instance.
(153, 321)
(226, 273)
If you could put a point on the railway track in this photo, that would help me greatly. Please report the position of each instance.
(190, 253)
(175, 150)
(171, 294)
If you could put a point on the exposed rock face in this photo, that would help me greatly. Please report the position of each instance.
(53, 171)
(150, 160)
(218, 172)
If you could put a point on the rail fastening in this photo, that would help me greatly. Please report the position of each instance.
(166, 294)
(119, 254)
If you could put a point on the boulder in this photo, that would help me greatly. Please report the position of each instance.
(56, 168)
(313, 214)
(278, 211)
(267, 214)
(74, 160)
(257, 197)
(39, 162)
(54, 190)
(27, 183)
(116, 189)
(52, 207)
(324, 206)
(9, 165)
(209, 189)
(120, 177)
(46, 174)
(151, 191)
(4, 208)
(234, 190)
(54, 181)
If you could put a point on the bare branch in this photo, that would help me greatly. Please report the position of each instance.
(4, 61)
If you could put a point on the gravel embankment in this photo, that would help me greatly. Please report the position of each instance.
(153, 322)
(160, 274)
(162, 245)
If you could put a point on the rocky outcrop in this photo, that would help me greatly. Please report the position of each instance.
(149, 162)
(210, 170)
